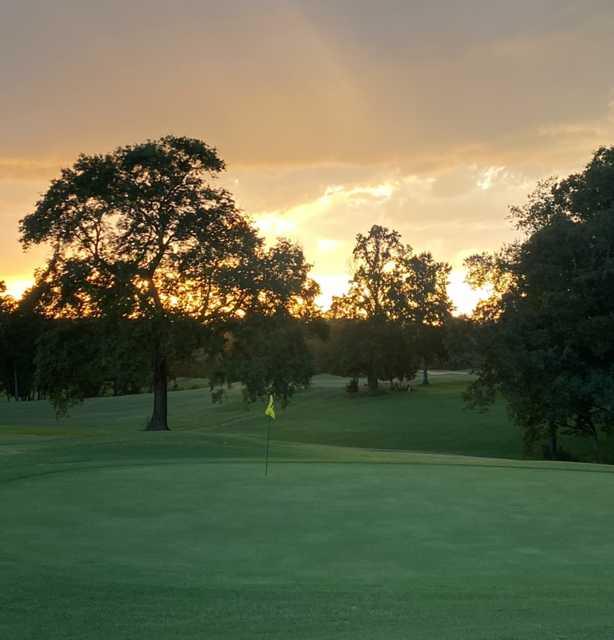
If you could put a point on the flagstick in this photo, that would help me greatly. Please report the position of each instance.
(268, 432)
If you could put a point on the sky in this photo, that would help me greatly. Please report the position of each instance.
(427, 116)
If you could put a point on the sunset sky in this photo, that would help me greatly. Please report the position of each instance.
(427, 116)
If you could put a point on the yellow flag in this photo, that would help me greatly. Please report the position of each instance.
(270, 409)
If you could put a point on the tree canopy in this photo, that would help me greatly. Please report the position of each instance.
(546, 330)
(144, 234)
(396, 303)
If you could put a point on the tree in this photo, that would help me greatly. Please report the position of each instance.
(20, 329)
(423, 304)
(7, 305)
(461, 349)
(369, 305)
(392, 285)
(382, 350)
(377, 257)
(270, 356)
(546, 331)
(143, 233)
(267, 348)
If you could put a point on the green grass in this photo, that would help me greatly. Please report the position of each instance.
(399, 516)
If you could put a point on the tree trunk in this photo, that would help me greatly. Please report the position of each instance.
(15, 381)
(425, 372)
(596, 449)
(372, 381)
(159, 418)
(554, 450)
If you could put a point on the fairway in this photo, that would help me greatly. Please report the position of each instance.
(109, 532)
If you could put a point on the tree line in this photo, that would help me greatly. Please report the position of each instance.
(151, 261)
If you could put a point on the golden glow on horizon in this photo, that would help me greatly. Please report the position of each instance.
(331, 285)
(462, 295)
(17, 287)
(434, 136)
(286, 222)
(326, 245)
(274, 224)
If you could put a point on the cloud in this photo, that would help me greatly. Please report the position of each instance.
(27, 169)
(465, 214)
(422, 86)
(430, 117)
(326, 245)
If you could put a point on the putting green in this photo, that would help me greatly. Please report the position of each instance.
(200, 549)
(397, 516)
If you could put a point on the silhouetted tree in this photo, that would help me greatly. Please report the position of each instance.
(266, 349)
(393, 286)
(423, 304)
(370, 304)
(7, 305)
(20, 330)
(356, 347)
(143, 233)
(546, 331)
(461, 344)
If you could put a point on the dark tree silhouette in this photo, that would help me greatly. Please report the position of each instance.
(423, 303)
(546, 330)
(396, 304)
(144, 233)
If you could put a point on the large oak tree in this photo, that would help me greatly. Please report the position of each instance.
(145, 234)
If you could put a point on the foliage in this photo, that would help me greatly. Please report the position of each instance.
(269, 355)
(144, 234)
(64, 363)
(461, 344)
(395, 308)
(384, 350)
(546, 331)
(20, 330)
(7, 305)
(377, 257)
(423, 304)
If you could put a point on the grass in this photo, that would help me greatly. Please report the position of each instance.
(399, 516)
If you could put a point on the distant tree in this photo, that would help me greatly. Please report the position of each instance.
(6, 301)
(424, 305)
(7, 305)
(370, 307)
(68, 362)
(461, 346)
(267, 349)
(270, 355)
(124, 355)
(356, 347)
(20, 329)
(546, 331)
(77, 358)
(144, 234)
(377, 257)
(393, 286)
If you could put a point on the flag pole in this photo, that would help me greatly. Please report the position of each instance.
(269, 412)
(266, 459)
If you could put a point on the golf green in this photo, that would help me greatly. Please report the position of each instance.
(392, 517)
(315, 550)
